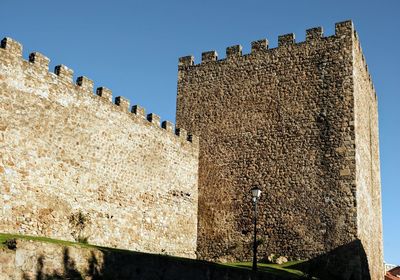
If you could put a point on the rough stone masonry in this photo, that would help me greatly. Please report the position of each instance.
(75, 166)
(301, 122)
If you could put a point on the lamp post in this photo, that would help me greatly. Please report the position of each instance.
(255, 193)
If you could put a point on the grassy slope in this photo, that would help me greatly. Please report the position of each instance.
(276, 269)
(279, 270)
(7, 236)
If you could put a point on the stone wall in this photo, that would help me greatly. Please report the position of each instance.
(282, 119)
(367, 164)
(74, 165)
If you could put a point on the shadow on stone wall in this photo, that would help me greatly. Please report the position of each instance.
(347, 262)
(69, 269)
(119, 264)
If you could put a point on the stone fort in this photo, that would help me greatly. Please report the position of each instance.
(300, 121)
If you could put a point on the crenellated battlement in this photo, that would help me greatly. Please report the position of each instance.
(11, 54)
(64, 73)
(285, 42)
(85, 83)
(313, 35)
(12, 46)
(260, 45)
(233, 51)
(39, 60)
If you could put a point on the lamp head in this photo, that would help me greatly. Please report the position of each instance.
(255, 193)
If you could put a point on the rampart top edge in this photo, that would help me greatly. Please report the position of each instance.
(40, 64)
(314, 34)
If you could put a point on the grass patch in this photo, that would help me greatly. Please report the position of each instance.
(275, 269)
(7, 236)
(4, 237)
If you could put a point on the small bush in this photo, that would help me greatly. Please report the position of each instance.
(83, 239)
(11, 243)
(272, 258)
(78, 222)
(260, 241)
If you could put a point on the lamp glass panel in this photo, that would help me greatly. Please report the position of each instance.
(256, 192)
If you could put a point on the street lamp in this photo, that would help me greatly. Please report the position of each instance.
(255, 193)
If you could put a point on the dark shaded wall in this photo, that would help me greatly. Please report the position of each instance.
(45, 261)
(347, 262)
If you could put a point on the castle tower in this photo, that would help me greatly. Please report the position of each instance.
(301, 122)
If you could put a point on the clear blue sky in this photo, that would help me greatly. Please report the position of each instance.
(132, 47)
